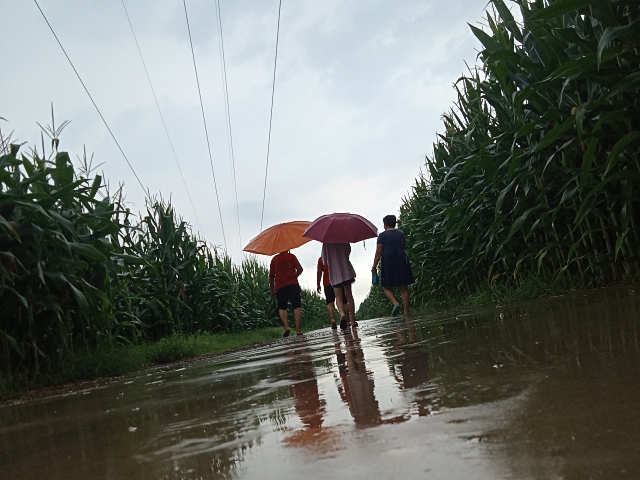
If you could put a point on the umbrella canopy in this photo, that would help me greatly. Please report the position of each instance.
(341, 228)
(279, 238)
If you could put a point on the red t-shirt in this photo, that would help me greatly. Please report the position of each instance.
(283, 269)
(325, 272)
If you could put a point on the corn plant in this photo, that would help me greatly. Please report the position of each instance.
(55, 267)
(78, 270)
(538, 169)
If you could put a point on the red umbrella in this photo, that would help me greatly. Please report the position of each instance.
(341, 228)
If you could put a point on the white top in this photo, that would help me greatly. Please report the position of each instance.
(336, 256)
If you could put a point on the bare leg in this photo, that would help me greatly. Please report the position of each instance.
(339, 301)
(345, 309)
(284, 319)
(389, 294)
(331, 311)
(352, 305)
(404, 293)
(297, 315)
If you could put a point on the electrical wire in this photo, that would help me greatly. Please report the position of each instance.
(175, 156)
(91, 98)
(204, 121)
(273, 89)
(232, 159)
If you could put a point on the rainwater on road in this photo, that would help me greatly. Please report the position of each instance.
(543, 390)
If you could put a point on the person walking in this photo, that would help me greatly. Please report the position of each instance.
(341, 275)
(395, 269)
(283, 282)
(329, 294)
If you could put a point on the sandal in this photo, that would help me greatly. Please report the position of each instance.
(343, 324)
(334, 326)
(396, 310)
(354, 324)
(286, 333)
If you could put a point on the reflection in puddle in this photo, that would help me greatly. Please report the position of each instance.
(547, 389)
(309, 406)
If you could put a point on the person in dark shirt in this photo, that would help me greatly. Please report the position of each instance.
(283, 281)
(396, 270)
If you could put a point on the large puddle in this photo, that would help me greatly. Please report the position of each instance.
(544, 390)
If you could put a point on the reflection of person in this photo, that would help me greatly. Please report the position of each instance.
(356, 385)
(342, 275)
(396, 270)
(309, 406)
(323, 275)
(283, 281)
(410, 368)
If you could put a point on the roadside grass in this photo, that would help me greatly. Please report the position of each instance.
(112, 361)
(498, 293)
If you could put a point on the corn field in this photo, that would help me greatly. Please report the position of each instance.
(78, 270)
(537, 172)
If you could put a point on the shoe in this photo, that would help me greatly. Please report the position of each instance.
(396, 310)
(299, 334)
(286, 333)
(407, 315)
(334, 326)
(354, 324)
(343, 324)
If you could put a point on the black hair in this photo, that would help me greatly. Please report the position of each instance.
(389, 221)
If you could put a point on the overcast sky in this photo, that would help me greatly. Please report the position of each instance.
(360, 89)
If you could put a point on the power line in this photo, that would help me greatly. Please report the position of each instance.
(273, 89)
(91, 98)
(204, 121)
(161, 116)
(232, 159)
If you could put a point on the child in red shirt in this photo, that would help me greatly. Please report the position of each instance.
(283, 281)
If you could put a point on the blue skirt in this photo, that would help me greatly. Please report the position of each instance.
(396, 270)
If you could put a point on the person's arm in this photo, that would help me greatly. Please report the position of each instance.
(376, 259)
(319, 277)
(299, 269)
(272, 278)
(272, 286)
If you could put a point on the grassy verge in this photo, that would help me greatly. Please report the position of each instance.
(499, 293)
(111, 361)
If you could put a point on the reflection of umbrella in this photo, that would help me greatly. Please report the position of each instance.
(321, 440)
(341, 228)
(279, 238)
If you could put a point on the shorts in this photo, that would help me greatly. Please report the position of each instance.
(289, 293)
(330, 295)
(343, 284)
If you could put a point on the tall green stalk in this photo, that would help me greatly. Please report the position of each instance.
(537, 172)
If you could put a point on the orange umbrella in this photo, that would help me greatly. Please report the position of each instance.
(279, 238)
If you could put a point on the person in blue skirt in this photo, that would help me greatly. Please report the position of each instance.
(396, 270)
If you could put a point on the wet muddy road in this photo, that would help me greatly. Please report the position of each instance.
(544, 390)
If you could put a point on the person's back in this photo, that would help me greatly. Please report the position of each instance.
(336, 256)
(283, 282)
(396, 269)
(283, 269)
(330, 296)
(392, 241)
(342, 275)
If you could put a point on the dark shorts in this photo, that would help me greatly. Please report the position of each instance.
(289, 293)
(330, 295)
(343, 284)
